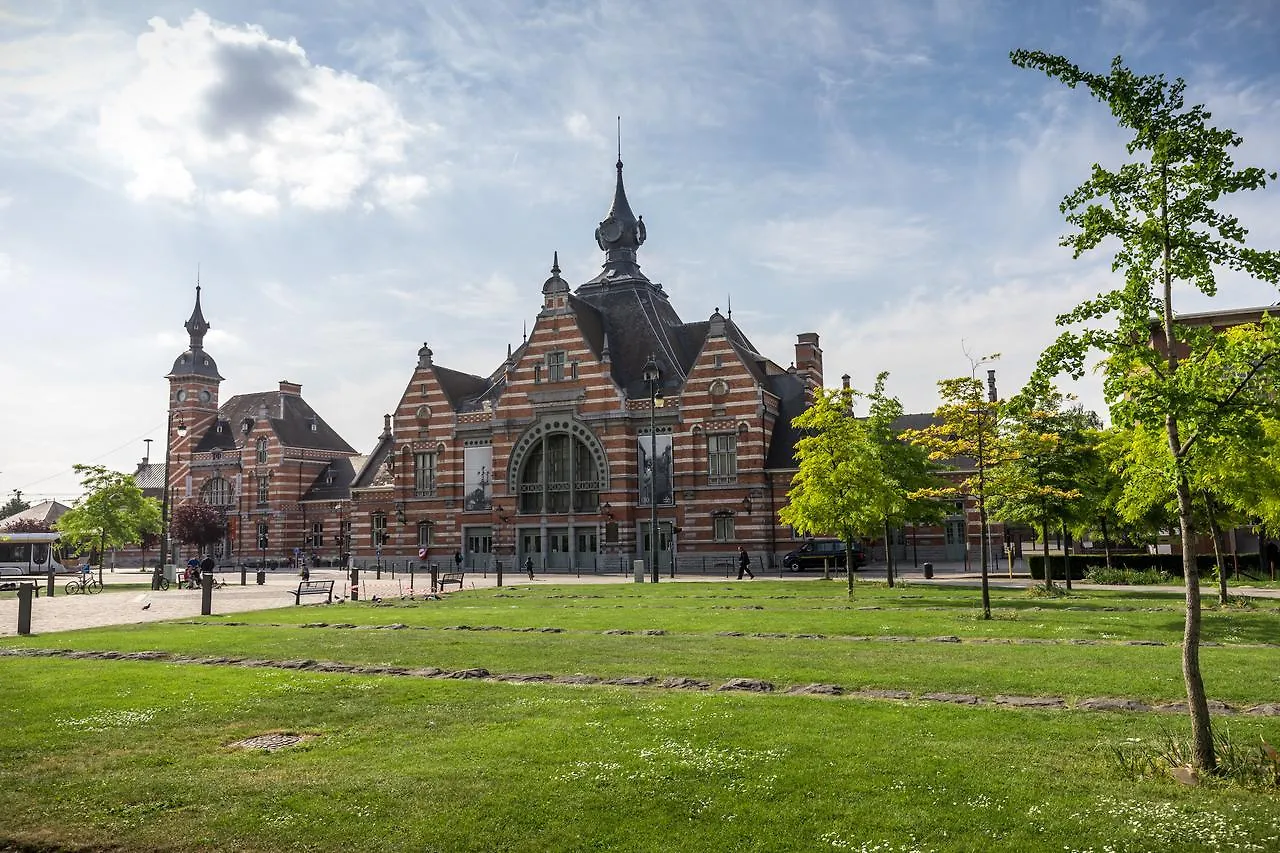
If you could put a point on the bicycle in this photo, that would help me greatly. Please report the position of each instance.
(87, 585)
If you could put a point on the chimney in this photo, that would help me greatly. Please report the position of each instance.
(293, 389)
(809, 360)
(991, 386)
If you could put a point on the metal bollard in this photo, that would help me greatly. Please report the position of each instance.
(355, 584)
(435, 574)
(49, 588)
(26, 592)
(206, 594)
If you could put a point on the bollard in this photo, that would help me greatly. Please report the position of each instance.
(355, 584)
(435, 575)
(928, 570)
(497, 567)
(243, 573)
(206, 593)
(49, 588)
(262, 577)
(637, 566)
(26, 592)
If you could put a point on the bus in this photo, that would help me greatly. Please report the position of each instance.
(28, 553)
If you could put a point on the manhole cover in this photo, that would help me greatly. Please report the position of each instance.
(269, 742)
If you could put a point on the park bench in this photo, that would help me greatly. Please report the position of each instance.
(313, 588)
(450, 577)
(12, 586)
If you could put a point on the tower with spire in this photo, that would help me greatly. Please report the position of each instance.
(194, 380)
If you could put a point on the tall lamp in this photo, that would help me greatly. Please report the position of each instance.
(164, 498)
(653, 376)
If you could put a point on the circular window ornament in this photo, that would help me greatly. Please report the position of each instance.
(719, 388)
(182, 395)
(423, 414)
(205, 396)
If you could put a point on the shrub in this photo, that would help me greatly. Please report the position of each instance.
(1248, 766)
(1133, 577)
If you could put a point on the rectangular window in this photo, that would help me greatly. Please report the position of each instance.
(317, 535)
(424, 534)
(722, 458)
(264, 491)
(723, 528)
(537, 373)
(424, 474)
(555, 367)
(378, 527)
(573, 370)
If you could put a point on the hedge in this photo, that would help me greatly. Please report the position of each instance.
(1168, 563)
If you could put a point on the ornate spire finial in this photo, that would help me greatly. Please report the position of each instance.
(619, 143)
(197, 325)
(555, 263)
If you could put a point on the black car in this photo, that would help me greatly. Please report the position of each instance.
(814, 553)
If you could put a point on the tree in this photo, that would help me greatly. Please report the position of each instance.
(198, 524)
(841, 486)
(1159, 209)
(1036, 483)
(14, 505)
(905, 465)
(966, 430)
(112, 513)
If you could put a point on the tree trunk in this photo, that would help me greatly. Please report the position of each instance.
(1217, 551)
(1197, 703)
(1066, 555)
(1106, 542)
(888, 554)
(1048, 570)
(848, 562)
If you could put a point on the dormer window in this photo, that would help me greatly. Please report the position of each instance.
(313, 423)
(555, 366)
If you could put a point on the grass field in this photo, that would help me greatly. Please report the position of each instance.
(137, 754)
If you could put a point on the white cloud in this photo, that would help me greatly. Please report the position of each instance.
(846, 243)
(233, 115)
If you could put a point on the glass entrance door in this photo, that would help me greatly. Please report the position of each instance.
(479, 551)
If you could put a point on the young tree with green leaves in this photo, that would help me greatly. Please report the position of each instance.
(967, 431)
(906, 466)
(855, 476)
(1160, 211)
(1036, 484)
(112, 513)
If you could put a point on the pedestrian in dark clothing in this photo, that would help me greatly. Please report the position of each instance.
(528, 566)
(457, 560)
(744, 564)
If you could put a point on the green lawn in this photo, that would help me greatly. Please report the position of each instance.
(135, 755)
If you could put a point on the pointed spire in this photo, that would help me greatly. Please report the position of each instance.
(555, 263)
(197, 325)
(554, 285)
(619, 234)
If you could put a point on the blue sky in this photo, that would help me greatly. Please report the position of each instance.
(356, 178)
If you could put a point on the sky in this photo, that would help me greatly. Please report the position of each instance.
(351, 179)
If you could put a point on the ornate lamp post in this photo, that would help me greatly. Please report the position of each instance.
(653, 376)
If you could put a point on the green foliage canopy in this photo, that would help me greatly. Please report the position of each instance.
(112, 513)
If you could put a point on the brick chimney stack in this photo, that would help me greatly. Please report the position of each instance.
(809, 361)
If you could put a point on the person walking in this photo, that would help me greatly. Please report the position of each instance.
(744, 564)
(528, 566)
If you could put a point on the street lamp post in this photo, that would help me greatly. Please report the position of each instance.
(653, 376)
(164, 498)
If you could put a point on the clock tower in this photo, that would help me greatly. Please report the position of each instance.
(193, 388)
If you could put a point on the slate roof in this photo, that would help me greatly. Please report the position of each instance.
(46, 511)
(290, 418)
(150, 478)
(334, 482)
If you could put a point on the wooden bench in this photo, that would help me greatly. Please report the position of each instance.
(313, 588)
(12, 586)
(450, 577)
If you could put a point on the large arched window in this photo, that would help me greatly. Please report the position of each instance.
(216, 492)
(561, 469)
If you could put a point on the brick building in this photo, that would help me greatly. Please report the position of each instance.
(559, 455)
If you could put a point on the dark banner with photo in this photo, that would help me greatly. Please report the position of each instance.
(656, 478)
(478, 478)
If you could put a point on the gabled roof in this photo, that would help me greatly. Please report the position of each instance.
(45, 511)
(290, 418)
(150, 477)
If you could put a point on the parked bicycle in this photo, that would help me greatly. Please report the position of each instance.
(86, 584)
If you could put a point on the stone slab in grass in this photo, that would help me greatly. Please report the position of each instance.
(1106, 703)
(953, 698)
(880, 694)
(817, 690)
(1046, 702)
(751, 685)
(1269, 709)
